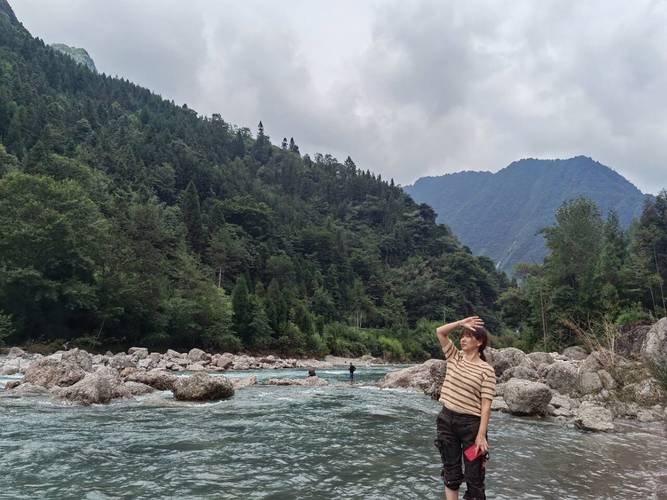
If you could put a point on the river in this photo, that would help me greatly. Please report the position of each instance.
(334, 442)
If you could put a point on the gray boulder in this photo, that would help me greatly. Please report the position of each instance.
(16, 352)
(138, 352)
(223, 361)
(94, 388)
(308, 381)
(521, 372)
(524, 397)
(120, 361)
(202, 387)
(575, 353)
(499, 404)
(240, 383)
(49, 372)
(504, 359)
(563, 376)
(78, 357)
(607, 380)
(654, 347)
(137, 388)
(26, 389)
(418, 377)
(592, 417)
(647, 392)
(540, 358)
(158, 379)
(197, 355)
(589, 382)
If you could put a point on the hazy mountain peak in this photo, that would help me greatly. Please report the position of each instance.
(5, 9)
(498, 214)
(78, 54)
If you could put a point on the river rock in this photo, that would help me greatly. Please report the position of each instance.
(499, 404)
(49, 372)
(94, 388)
(16, 352)
(14, 366)
(202, 387)
(240, 383)
(308, 381)
(592, 417)
(521, 372)
(589, 383)
(630, 340)
(654, 347)
(540, 358)
(419, 377)
(506, 358)
(138, 352)
(562, 376)
(524, 397)
(500, 389)
(78, 357)
(120, 361)
(224, 361)
(26, 389)
(158, 379)
(197, 355)
(645, 393)
(137, 388)
(607, 380)
(575, 353)
(195, 367)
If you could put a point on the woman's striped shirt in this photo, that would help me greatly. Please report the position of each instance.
(466, 383)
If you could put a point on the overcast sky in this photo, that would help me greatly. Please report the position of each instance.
(406, 88)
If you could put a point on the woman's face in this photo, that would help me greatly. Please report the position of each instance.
(469, 343)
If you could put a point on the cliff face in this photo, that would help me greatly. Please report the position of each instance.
(79, 55)
(498, 215)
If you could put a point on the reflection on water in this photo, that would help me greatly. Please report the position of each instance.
(337, 441)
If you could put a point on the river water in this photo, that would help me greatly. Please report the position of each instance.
(334, 442)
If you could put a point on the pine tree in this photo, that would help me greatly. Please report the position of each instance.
(192, 217)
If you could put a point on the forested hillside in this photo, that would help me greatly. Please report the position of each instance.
(126, 219)
(500, 215)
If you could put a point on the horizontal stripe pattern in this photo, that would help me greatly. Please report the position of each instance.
(466, 384)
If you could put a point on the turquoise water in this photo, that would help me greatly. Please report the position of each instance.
(267, 442)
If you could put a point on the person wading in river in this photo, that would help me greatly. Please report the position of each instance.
(466, 394)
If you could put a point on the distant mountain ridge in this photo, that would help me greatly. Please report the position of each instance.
(498, 215)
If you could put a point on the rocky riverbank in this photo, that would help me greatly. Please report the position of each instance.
(589, 390)
(80, 377)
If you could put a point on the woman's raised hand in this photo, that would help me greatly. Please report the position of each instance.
(472, 322)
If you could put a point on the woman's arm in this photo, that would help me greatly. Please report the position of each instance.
(442, 332)
(480, 441)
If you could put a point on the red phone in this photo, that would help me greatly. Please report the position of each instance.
(472, 452)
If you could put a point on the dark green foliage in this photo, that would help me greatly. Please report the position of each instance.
(125, 218)
(595, 273)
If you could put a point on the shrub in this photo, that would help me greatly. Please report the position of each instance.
(6, 327)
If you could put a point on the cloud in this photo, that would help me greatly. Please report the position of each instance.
(406, 88)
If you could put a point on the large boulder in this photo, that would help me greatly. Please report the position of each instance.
(589, 382)
(240, 383)
(49, 372)
(138, 352)
(419, 377)
(654, 347)
(575, 353)
(78, 357)
(158, 379)
(524, 397)
(597, 360)
(563, 376)
(202, 387)
(197, 355)
(506, 358)
(137, 388)
(592, 417)
(25, 389)
(16, 352)
(630, 340)
(521, 371)
(94, 388)
(647, 392)
(224, 361)
(540, 358)
(120, 361)
(308, 381)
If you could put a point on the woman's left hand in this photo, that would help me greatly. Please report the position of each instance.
(481, 443)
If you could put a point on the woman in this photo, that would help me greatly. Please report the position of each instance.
(466, 394)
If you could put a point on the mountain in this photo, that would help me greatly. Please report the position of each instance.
(79, 55)
(499, 215)
(6, 10)
(129, 220)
